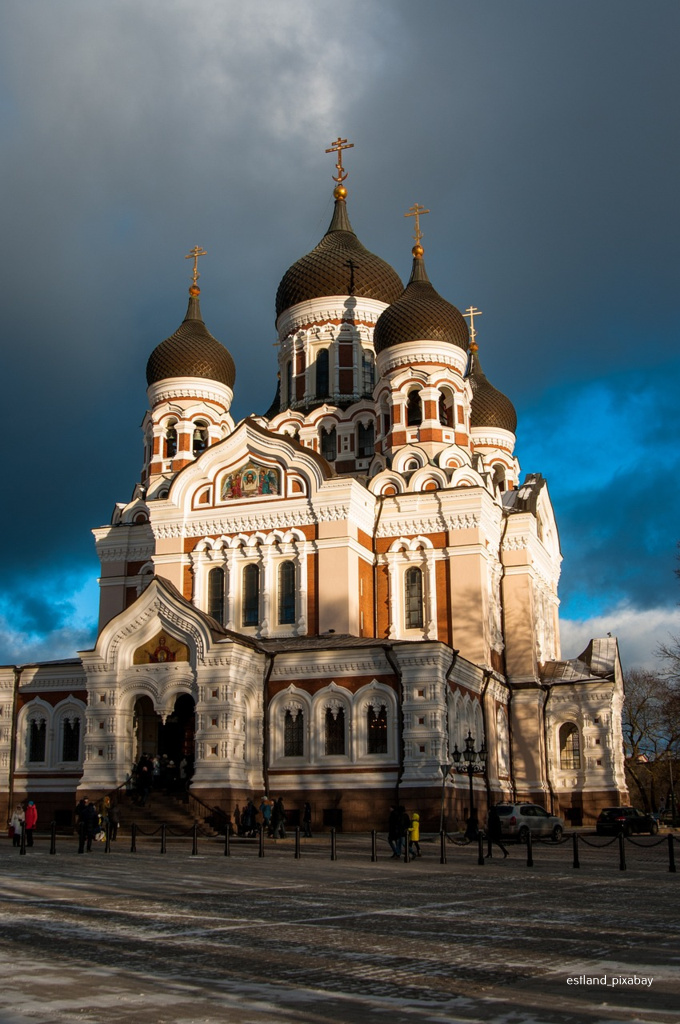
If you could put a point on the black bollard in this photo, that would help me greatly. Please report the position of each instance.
(227, 851)
(442, 847)
(489, 845)
(530, 850)
(260, 852)
(622, 852)
(163, 837)
(334, 851)
(107, 838)
(407, 852)
(133, 838)
(297, 843)
(194, 843)
(574, 839)
(22, 845)
(53, 837)
(374, 845)
(671, 854)
(480, 849)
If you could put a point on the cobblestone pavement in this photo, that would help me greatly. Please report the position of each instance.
(181, 939)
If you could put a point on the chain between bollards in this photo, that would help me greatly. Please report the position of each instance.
(133, 837)
(622, 852)
(574, 840)
(53, 837)
(297, 843)
(442, 847)
(530, 850)
(163, 837)
(334, 851)
(671, 854)
(374, 845)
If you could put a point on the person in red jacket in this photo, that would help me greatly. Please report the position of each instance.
(31, 821)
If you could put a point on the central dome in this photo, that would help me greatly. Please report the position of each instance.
(339, 265)
(420, 314)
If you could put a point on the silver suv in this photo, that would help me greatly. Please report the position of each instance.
(518, 820)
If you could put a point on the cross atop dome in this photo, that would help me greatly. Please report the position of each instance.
(417, 211)
(337, 147)
(470, 313)
(193, 255)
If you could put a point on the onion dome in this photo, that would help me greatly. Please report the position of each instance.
(339, 265)
(191, 351)
(420, 314)
(490, 407)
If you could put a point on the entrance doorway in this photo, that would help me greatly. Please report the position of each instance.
(174, 739)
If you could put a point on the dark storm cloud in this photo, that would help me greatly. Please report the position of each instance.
(542, 137)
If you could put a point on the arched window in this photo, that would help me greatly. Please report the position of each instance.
(37, 739)
(286, 593)
(200, 442)
(499, 476)
(329, 444)
(414, 410)
(171, 440)
(365, 441)
(216, 594)
(445, 411)
(377, 729)
(368, 374)
(294, 733)
(322, 378)
(335, 731)
(251, 595)
(413, 598)
(70, 741)
(289, 382)
(570, 747)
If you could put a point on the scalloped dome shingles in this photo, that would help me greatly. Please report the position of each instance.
(490, 407)
(339, 265)
(191, 352)
(420, 314)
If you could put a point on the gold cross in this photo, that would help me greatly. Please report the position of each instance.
(337, 147)
(416, 211)
(472, 312)
(193, 255)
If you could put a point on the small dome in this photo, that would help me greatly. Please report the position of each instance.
(420, 314)
(490, 407)
(191, 352)
(339, 265)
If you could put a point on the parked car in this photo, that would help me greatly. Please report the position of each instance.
(613, 820)
(518, 820)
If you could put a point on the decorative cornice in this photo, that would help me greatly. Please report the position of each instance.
(122, 553)
(190, 387)
(428, 524)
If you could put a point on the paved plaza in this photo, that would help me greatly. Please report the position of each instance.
(194, 939)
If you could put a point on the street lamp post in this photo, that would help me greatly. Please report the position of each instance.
(445, 769)
(474, 763)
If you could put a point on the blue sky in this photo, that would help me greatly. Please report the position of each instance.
(542, 136)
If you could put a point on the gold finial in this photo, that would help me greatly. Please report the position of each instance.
(193, 255)
(471, 312)
(416, 211)
(337, 147)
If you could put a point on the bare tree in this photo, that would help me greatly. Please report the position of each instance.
(651, 732)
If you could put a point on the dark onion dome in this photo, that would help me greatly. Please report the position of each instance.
(191, 351)
(420, 314)
(490, 407)
(339, 265)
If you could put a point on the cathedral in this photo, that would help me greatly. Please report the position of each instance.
(344, 600)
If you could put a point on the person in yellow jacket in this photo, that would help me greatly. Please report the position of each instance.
(414, 835)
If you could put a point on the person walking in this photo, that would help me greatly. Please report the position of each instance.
(31, 821)
(266, 812)
(17, 822)
(495, 828)
(307, 820)
(279, 820)
(88, 824)
(393, 832)
(114, 821)
(414, 835)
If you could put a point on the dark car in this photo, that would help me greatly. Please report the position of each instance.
(628, 820)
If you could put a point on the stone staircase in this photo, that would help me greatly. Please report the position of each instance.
(161, 808)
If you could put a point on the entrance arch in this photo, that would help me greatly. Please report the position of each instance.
(173, 738)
